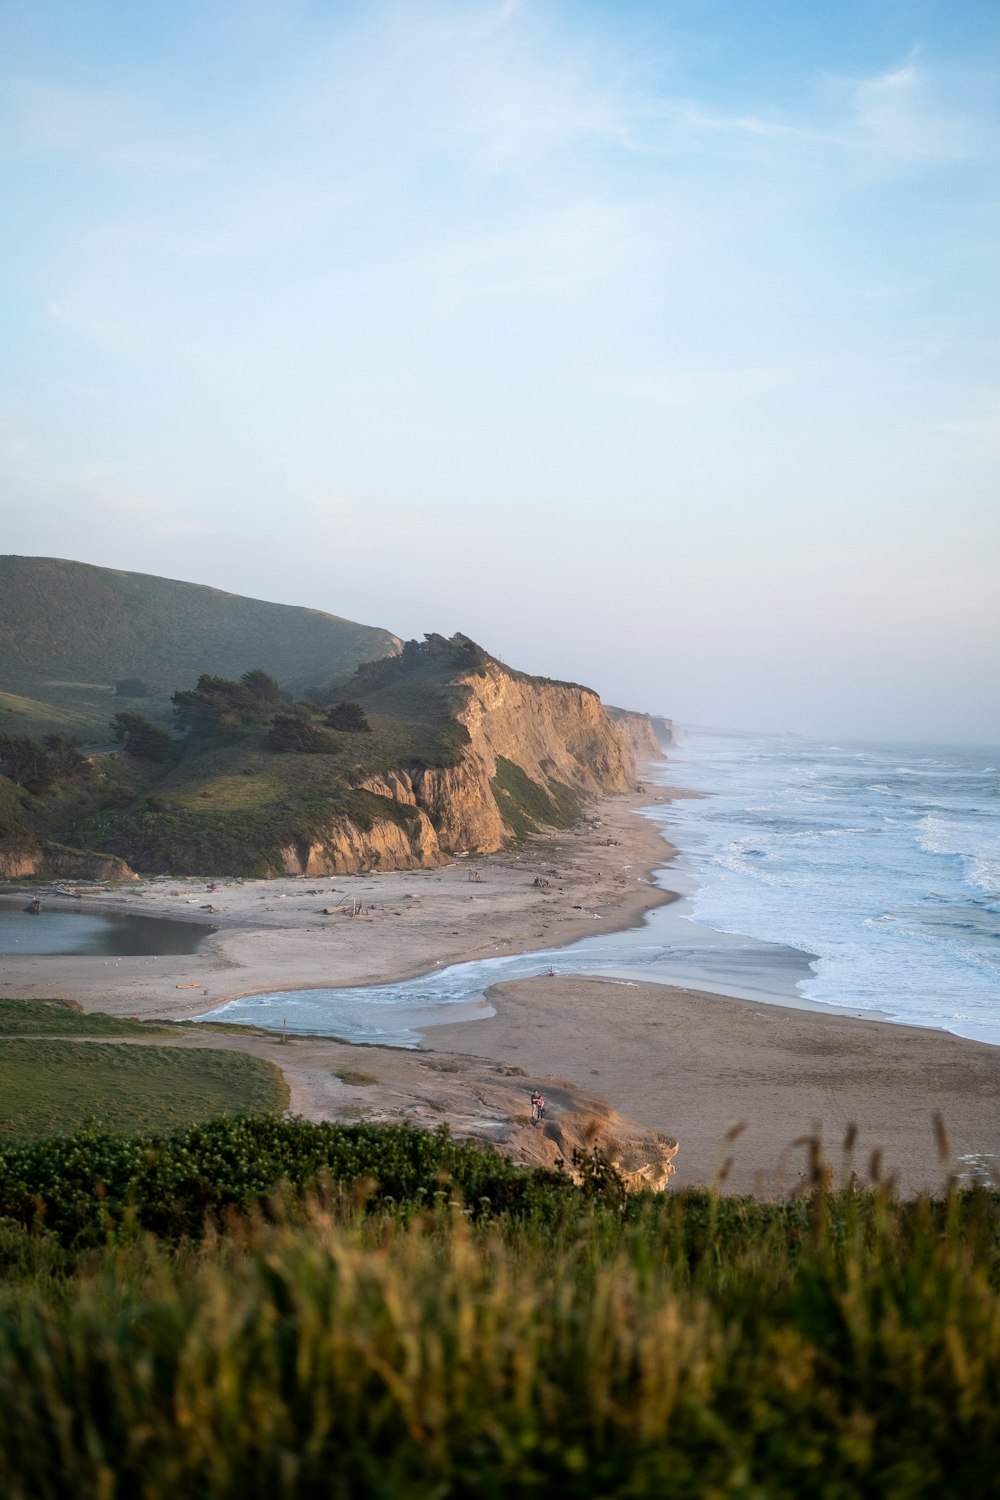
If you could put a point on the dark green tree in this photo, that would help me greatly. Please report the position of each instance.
(262, 686)
(217, 708)
(65, 754)
(349, 718)
(142, 738)
(27, 763)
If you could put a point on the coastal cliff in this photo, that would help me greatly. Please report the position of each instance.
(20, 860)
(533, 751)
(639, 732)
(430, 752)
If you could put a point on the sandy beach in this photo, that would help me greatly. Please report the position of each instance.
(697, 1064)
(275, 934)
(666, 1059)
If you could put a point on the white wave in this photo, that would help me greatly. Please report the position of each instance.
(985, 873)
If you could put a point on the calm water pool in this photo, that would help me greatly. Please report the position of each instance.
(97, 934)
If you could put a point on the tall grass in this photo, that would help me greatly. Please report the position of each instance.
(843, 1345)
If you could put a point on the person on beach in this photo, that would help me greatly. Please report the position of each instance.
(535, 1101)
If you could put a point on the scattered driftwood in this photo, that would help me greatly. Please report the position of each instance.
(475, 876)
(541, 883)
(356, 909)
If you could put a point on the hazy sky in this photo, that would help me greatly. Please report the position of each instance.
(655, 345)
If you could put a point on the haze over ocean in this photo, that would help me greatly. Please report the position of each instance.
(882, 861)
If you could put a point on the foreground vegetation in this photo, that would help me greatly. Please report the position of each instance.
(413, 1317)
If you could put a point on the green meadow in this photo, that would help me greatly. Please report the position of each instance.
(62, 1068)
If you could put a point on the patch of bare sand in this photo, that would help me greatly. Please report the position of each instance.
(696, 1064)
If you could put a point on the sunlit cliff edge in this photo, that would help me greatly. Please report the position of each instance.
(535, 750)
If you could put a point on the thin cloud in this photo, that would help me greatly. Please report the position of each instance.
(684, 388)
(558, 254)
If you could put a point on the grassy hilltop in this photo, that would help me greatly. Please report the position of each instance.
(69, 632)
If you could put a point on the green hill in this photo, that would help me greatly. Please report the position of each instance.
(69, 632)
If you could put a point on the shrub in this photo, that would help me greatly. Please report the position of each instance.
(296, 732)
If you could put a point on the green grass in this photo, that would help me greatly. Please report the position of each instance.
(355, 1078)
(432, 1322)
(48, 1086)
(528, 806)
(63, 1018)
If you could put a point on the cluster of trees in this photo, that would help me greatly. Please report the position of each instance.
(214, 709)
(298, 730)
(142, 738)
(218, 708)
(37, 766)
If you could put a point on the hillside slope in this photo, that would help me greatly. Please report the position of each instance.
(69, 631)
(454, 753)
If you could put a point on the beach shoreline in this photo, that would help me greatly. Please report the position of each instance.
(697, 1064)
(275, 934)
(668, 1057)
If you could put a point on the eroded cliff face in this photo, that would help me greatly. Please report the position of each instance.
(549, 729)
(53, 861)
(639, 733)
(346, 849)
(558, 736)
(19, 860)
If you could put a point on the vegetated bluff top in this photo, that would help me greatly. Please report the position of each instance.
(70, 630)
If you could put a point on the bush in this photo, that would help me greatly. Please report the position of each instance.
(296, 732)
(81, 1186)
(656, 1348)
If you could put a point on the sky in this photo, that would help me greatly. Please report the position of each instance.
(653, 344)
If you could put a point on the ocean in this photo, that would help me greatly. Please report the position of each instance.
(880, 862)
